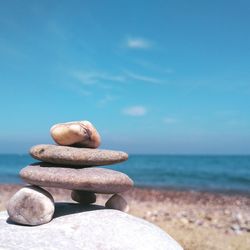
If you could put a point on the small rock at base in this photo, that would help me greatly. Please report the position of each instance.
(117, 202)
(32, 206)
(83, 197)
(78, 133)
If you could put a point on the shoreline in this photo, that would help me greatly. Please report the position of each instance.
(196, 190)
(170, 189)
(197, 220)
(146, 194)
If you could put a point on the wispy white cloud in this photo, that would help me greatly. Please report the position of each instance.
(78, 89)
(98, 77)
(138, 43)
(84, 77)
(92, 77)
(135, 111)
(169, 120)
(106, 99)
(143, 78)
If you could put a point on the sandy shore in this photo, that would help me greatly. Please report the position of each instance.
(196, 220)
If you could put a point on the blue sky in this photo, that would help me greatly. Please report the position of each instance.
(152, 76)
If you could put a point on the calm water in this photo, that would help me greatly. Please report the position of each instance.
(210, 173)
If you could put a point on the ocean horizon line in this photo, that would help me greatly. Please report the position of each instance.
(156, 154)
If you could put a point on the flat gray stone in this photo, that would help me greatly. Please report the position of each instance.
(31, 206)
(76, 156)
(86, 229)
(97, 180)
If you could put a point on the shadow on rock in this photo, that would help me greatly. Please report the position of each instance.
(65, 208)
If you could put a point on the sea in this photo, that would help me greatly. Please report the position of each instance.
(212, 173)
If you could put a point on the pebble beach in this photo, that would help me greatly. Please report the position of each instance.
(197, 220)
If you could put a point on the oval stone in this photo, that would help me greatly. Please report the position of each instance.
(31, 206)
(76, 156)
(78, 133)
(98, 180)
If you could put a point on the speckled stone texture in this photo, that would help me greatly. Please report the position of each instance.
(31, 206)
(86, 228)
(98, 180)
(76, 156)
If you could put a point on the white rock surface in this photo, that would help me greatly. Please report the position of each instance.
(31, 206)
(117, 202)
(86, 228)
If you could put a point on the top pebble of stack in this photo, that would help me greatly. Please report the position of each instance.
(78, 134)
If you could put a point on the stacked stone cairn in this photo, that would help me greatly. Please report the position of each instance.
(71, 164)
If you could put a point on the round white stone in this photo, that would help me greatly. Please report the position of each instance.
(31, 206)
